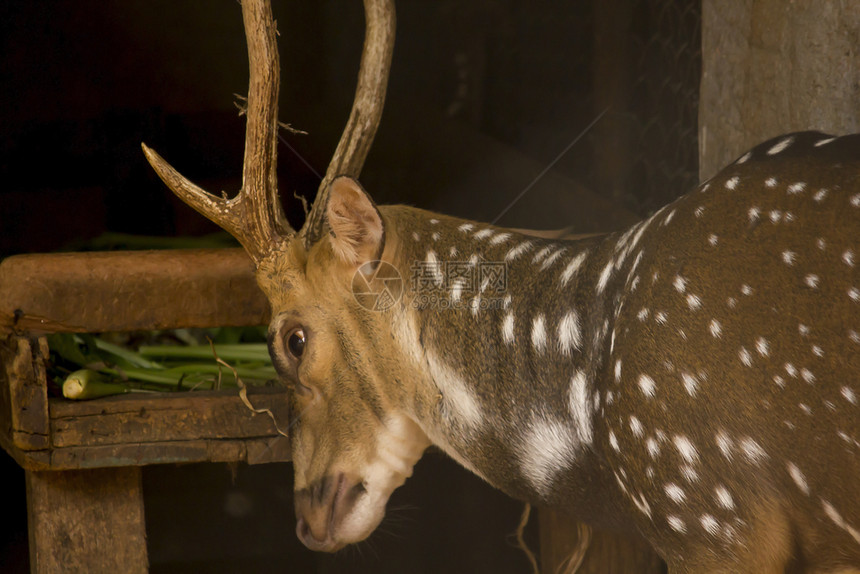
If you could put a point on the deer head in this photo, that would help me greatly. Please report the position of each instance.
(350, 447)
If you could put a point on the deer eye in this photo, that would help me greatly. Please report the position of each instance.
(296, 343)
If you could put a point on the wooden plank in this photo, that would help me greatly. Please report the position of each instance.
(252, 451)
(123, 291)
(608, 552)
(181, 417)
(87, 521)
(27, 394)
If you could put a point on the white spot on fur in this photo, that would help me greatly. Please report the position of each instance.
(483, 234)
(539, 333)
(797, 477)
(724, 497)
(732, 182)
(500, 238)
(579, 401)
(466, 227)
(604, 277)
(848, 394)
(691, 383)
(508, 328)
(694, 302)
(518, 250)
(686, 448)
(675, 492)
(796, 188)
(434, 268)
(753, 214)
(553, 257)
(642, 504)
(548, 447)
(745, 357)
(811, 281)
(715, 328)
(689, 473)
(710, 524)
(613, 442)
(636, 427)
(647, 385)
(781, 145)
(653, 447)
(752, 450)
(789, 257)
(837, 519)
(572, 267)
(543, 252)
(762, 346)
(676, 524)
(569, 333)
(680, 284)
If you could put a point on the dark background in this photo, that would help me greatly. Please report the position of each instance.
(484, 95)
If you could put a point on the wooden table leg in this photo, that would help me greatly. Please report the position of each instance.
(88, 521)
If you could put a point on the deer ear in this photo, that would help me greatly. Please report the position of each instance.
(357, 233)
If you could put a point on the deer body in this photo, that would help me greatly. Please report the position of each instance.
(693, 378)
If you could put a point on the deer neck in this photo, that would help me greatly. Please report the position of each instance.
(510, 333)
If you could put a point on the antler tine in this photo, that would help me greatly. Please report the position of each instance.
(255, 216)
(357, 137)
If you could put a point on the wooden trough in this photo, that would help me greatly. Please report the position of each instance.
(83, 459)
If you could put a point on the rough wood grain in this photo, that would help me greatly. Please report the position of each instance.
(188, 416)
(86, 521)
(252, 451)
(27, 395)
(122, 291)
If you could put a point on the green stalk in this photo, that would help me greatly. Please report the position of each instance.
(229, 353)
(88, 384)
(129, 356)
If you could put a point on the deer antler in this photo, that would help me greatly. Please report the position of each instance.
(366, 111)
(255, 216)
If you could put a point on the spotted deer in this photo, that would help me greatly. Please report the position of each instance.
(694, 378)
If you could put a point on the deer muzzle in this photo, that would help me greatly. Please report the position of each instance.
(334, 512)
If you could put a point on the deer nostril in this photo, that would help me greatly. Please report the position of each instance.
(303, 530)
